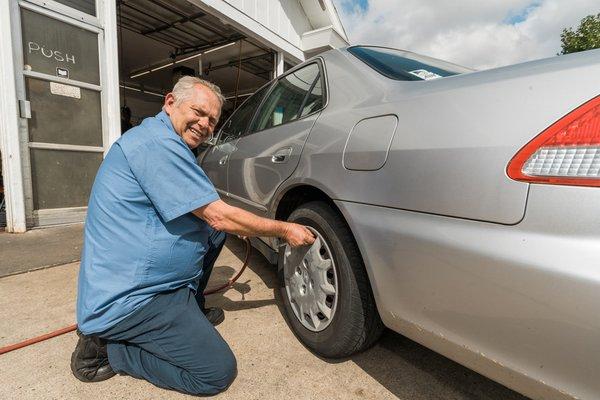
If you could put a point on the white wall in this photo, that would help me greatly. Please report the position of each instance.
(285, 18)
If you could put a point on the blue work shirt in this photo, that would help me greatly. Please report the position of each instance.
(140, 238)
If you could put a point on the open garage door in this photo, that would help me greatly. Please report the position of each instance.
(162, 40)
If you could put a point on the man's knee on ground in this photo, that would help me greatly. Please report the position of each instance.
(224, 376)
(220, 377)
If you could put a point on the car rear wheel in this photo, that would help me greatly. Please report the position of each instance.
(325, 288)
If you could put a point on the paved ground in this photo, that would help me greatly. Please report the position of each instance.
(272, 363)
(39, 248)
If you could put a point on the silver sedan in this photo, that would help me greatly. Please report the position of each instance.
(459, 208)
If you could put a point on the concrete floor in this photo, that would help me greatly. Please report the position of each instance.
(39, 248)
(271, 361)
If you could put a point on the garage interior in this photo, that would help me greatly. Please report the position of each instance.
(162, 40)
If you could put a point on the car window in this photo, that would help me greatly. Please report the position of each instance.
(284, 102)
(404, 65)
(238, 122)
(315, 99)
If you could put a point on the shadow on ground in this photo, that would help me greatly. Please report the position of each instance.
(221, 273)
(402, 366)
(424, 372)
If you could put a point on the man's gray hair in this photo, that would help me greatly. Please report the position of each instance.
(184, 89)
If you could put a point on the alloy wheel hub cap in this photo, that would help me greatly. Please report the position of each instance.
(311, 283)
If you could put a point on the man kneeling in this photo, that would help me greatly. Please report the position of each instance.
(155, 226)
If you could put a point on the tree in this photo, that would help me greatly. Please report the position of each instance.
(586, 37)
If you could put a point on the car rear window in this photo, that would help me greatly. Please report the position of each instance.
(404, 65)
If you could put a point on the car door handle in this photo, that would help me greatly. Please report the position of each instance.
(223, 160)
(281, 156)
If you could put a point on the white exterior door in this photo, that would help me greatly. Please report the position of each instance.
(61, 98)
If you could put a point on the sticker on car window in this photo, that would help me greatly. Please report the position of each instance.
(424, 74)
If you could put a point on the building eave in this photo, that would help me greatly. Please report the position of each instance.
(250, 27)
(322, 39)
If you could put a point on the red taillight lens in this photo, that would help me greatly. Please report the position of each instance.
(567, 153)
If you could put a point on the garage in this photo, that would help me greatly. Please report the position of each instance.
(84, 70)
(161, 41)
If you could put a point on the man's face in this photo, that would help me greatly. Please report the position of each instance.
(195, 118)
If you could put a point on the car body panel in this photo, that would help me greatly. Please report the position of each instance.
(523, 296)
(254, 174)
(368, 144)
(455, 135)
(215, 163)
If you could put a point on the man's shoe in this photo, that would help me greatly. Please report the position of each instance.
(214, 315)
(89, 361)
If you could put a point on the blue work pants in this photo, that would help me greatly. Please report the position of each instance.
(170, 343)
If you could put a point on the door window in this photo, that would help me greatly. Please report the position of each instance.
(59, 116)
(62, 178)
(285, 102)
(61, 79)
(314, 101)
(237, 124)
(56, 48)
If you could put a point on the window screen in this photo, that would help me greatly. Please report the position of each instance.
(64, 114)
(62, 178)
(286, 98)
(237, 124)
(86, 6)
(56, 48)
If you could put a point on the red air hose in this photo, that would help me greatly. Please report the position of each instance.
(71, 328)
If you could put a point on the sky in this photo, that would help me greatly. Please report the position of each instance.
(480, 34)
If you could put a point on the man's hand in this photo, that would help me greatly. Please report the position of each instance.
(297, 235)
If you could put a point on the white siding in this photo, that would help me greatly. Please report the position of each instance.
(285, 18)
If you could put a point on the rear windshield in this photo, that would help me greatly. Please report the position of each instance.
(404, 65)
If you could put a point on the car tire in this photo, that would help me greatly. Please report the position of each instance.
(355, 324)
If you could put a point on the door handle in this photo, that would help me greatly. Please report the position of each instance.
(281, 155)
(223, 160)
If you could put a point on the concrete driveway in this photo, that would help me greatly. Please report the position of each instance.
(272, 363)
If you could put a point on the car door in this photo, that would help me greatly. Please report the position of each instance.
(270, 151)
(216, 158)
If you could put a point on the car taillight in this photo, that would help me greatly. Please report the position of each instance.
(566, 153)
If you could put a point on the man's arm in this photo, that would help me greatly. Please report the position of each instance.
(223, 217)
